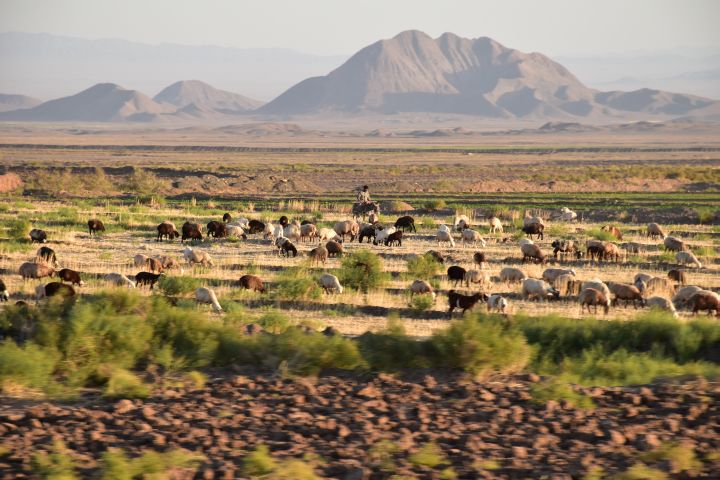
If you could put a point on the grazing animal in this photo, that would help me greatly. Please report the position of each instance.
(197, 256)
(287, 249)
(497, 302)
(95, 226)
(613, 230)
(641, 279)
(326, 234)
(153, 264)
(477, 277)
(252, 282)
(330, 283)
(227, 218)
(464, 302)
(470, 235)
(191, 231)
(347, 227)
(567, 215)
(320, 254)
(567, 284)
(532, 253)
(495, 225)
(363, 209)
(35, 270)
(394, 238)
(550, 274)
(674, 244)
(534, 229)
(67, 275)
(565, 247)
(678, 276)
(308, 231)
(47, 255)
(236, 231)
(654, 230)
(461, 222)
(369, 232)
(207, 296)
(591, 297)
(662, 303)
(292, 231)
(406, 222)
(4, 294)
(682, 296)
(627, 293)
(659, 285)
(511, 275)
(381, 234)
(255, 226)
(540, 289)
(480, 260)
(421, 287)
(436, 255)
(37, 235)
(528, 220)
(167, 229)
(456, 274)
(597, 284)
(688, 259)
(611, 252)
(217, 229)
(334, 249)
(595, 251)
(283, 221)
(445, 236)
(147, 278)
(120, 280)
(54, 289)
(704, 301)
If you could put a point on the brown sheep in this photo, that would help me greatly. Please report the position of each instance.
(627, 293)
(67, 275)
(319, 254)
(35, 270)
(252, 282)
(191, 231)
(54, 289)
(611, 252)
(217, 229)
(532, 253)
(95, 226)
(37, 235)
(591, 297)
(613, 230)
(654, 230)
(704, 301)
(674, 244)
(678, 276)
(480, 259)
(167, 229)
(334, 249)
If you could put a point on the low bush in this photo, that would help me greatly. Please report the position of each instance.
(434, 204)
(30, 366)
(423, 267)
(274, 321)
(362, 270)
(296, 284)
(260, 464)
(557, 389)
(599, 234)
(56, 465)
(18, 229)
(124, 384)
(420, 303)
(116, 465)
(178, 286)
(392, 350)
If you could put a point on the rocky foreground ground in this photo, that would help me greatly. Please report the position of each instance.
(488, 429)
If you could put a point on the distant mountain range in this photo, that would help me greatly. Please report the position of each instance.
(15, 102)
(410, 73)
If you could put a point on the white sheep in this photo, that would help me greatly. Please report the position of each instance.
(550, 274)
(495, 225)
(207, 296)
(197, 256)
(381, 235)
(525, 241)
(292, 232)
(476, 276)
(533, 287)
(661, 303)
(567, 215)
(235, 231)
(683, 295)
(512, 275)
(120, 280)
(330, 283)
(443, 228)
(470, 235)
(241, 222)
(308, 231)
(688, 259)
(445, 236)
(598, 285)
(326, 234)
(497, 302)
(419, 287)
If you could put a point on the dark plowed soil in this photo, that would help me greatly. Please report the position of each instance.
(486, 430)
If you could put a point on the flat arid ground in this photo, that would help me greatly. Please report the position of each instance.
(395, 389)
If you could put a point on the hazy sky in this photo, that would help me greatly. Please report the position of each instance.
(555, 27)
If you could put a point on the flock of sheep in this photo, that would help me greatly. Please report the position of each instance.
(665, 293)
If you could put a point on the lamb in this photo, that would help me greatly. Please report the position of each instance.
(252, 282)
(567, 284)
(627, 293)
(47, 255)
(478, 277)
(308, 232)
(197, 256)
(406, 222)
(443, 236)
(678, 276)
(456, 274)
(35, 270)
(348, 227)
(320, 254)
(327, 234)
(470, 235)
(512, 275)
(394, 238)
(287, 248)
(480, 260)
(598, 285)
(495, 225)
(167, 229)
(191, 231)
(688, 259)
(119, 280)
(497, 302)
(147, 278)
(465, 302)
(334, 249)
(674, 244)
(613, 230)
(54, 289)
(37, 235)
(95, 226)
(662, 303)
(330, 283)
(4, 294)
(654, 230)
(682, 296)
(207, 296)
(532, 253)
(67, 275)
(461, 222)
(382, 235)
(540, 289)
(421, 287)
(550, 274)
(591, 297)
(292, 232)
(534, 229)
(704, 301)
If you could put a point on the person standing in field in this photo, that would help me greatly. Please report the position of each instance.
(363, 195)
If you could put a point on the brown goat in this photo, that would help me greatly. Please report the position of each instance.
(704, 301)
(252, 282)
(678, 276)
(167, 229)
(95, 226)
(465, 302)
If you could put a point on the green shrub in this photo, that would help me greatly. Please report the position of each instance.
(428, 222)
(681, 457)
(116, 465)
(18, 229)
(381, 455)
(434, 204)
(706, 214)
(392, 350)
(124, 384)
(599, 234)
(177, 286)
(555, 389)
(29, 366)
(480, 345)
(640, 471)
(259, 462)
(429, 455)
(423, 267)
(296, 284)
(274, 321)
(56, 465)
(362, 270)
(420, 303)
